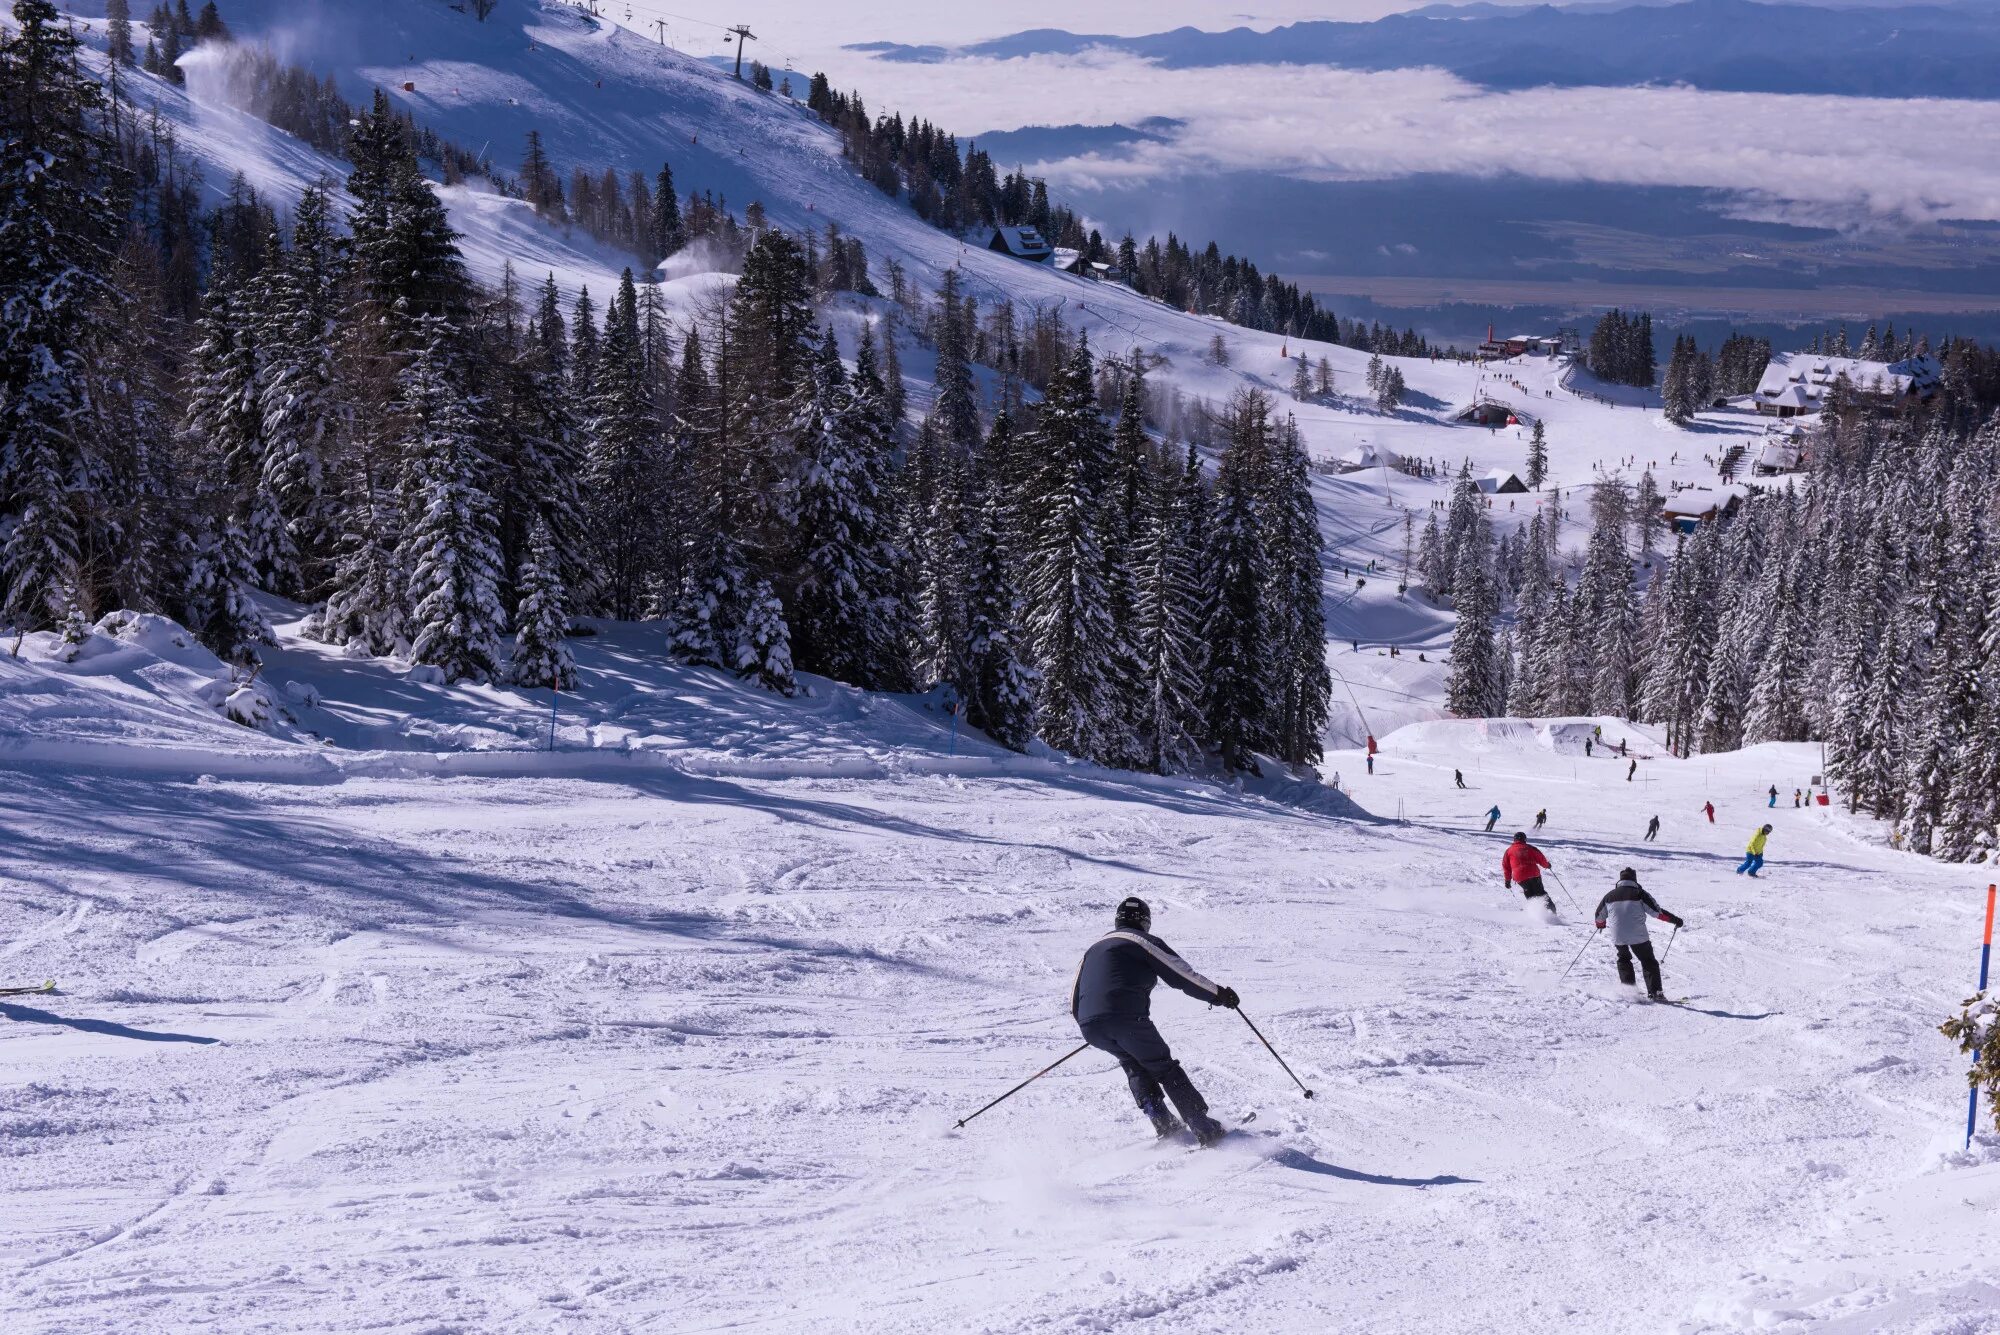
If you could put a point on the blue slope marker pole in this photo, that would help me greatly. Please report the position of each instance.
(1985, 959)
(555, 697)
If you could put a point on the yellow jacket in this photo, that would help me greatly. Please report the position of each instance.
(1757, 841)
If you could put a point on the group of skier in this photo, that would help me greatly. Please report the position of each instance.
(1111, 1000)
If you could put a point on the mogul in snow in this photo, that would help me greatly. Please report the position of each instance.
(1112, 1005)
(1625, 909)
(1522, 865)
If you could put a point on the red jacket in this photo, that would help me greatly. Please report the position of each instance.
(1522, 862)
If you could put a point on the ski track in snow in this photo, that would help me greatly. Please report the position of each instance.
(387, 1021)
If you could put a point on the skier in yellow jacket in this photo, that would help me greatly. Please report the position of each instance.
(1754, 854)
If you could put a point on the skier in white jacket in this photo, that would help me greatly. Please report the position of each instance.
(1626, 909)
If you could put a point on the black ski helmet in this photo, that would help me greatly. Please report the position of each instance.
(1628, 875)
(1520, 837)
(1134, 914)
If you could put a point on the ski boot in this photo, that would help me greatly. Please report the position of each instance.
(1165, 1124)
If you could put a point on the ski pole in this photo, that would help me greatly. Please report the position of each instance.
(1670, 944)
(1025, 1083)
(1273, 1051)
(1579, 954)
(1566, 894)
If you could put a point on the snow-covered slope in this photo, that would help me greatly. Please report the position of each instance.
(668, 1031)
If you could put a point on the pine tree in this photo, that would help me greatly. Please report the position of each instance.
(1538, 456)
(1168, 618)
(60, 220)
(1002, 686)
(451, 551)
(1302, 384)
(835, 619)
(299, 399)
(223, 614)
(1238, 635)
(541, 648)
(956, 407)
(1473, 688)
(669, 232)
(1069, 613)
(1297, 616)
(118, 30)
(623, 461)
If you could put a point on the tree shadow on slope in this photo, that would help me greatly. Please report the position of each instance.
(249, 860)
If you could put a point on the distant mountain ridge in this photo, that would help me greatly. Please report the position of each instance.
(1933, 50)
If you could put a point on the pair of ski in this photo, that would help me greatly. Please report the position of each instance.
(1185, 1139)
(48, 986)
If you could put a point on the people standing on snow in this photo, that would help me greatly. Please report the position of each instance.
(1112, 1005)
(1753, 858)
(1709, 807)
(1371, 762)
(1458, 777)
(1586, 748)
(1492, 818)
(1774, 794)
(1541, 818)
(1522, 865)
(1652, 829)
(1625, 909)
(1630, 770)
(1798, 799)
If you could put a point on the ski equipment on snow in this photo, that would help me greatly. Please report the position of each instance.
(1024, 1084)
(1273, 1051)
(1985, 958)
(48, 986)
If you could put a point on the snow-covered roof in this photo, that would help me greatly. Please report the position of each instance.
(1365, 456)
(1777, 454)
(1801, 379)
(1500, 479)
(1021, 242)
(1066, 257)
(1693, 502)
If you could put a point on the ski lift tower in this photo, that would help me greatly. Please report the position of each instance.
(743, 34)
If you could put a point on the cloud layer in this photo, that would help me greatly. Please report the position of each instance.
(1847, 162)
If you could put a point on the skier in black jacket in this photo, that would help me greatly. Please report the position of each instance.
(1112, 1004)
(1625, 909)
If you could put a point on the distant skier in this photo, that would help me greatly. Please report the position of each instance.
(1630, 770)
(1798, 799)
(1625, 909)
(1709, 807)
(1492, 818)
(1371, 762)
(1112, 1005)
(1586, 748)
(1458, 777)
(1522, 865)
(1541, 818)
(1652, 829)
(1774, 794)
(1753, 859)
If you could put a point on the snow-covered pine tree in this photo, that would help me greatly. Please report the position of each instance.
(1433, 559)
(224, 616)
(1538, 455)
(450, 552)
(541, 623)
(299, 397)
(955, 407)
(1297, 594)
(622, 462)
(1240, 669)
(1776, 710)
(1169, 618)
(1000, 699)
(1069, 607)
(1302, 383)
(763, 646)
(59, 221)
(839, 583)
(1473, 687)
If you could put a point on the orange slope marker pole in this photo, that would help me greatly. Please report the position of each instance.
(1985, 960)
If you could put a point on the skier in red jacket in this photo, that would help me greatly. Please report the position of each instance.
(1522, 865)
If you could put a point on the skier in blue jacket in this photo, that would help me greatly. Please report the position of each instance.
(1112, 1005)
